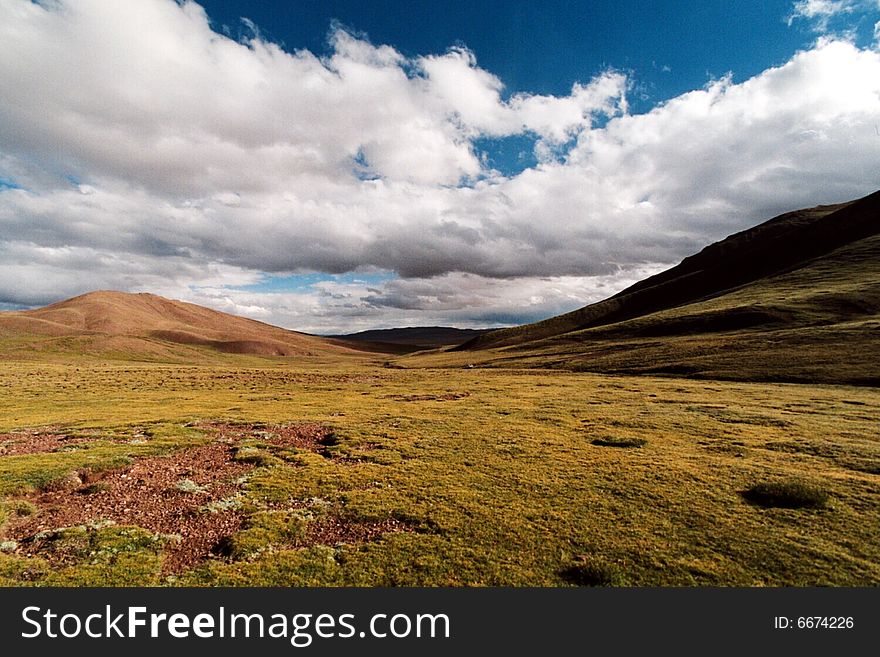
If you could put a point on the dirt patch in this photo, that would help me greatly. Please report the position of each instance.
(39, 441)
(291, 531)
(27, 442)
(190, 496)
(310, 436)
(333, 530)
(45, 440)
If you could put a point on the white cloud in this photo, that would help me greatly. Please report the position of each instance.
(201, 162)
(145, 91)
(820, 11)
(820, 8)
(474, 95)
(820, 14)
(32, 275)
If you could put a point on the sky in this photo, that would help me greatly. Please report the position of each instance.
(339, 166)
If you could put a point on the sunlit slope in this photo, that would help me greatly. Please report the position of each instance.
(778, 245)
(146, 325)
(794, 299)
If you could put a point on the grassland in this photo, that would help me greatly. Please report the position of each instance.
(439, 477)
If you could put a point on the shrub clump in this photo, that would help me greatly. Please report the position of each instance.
(620, 442)
(95, 488)
(590, 572)
(255, 456)
(787, 495)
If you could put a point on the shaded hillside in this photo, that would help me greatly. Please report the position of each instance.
(794, 299)
(147, 325)
(409, 339)
(773, 247)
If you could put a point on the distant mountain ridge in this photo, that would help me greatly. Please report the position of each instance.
(413, 338)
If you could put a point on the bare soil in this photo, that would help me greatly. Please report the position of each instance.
(333, 530)
(41, 441)
(189, 496)
(164, 494)
(310, 436)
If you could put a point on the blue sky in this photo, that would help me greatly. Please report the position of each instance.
(667, 48)
(333, 166)
(543, 47)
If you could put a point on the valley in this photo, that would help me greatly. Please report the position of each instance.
(333, 473)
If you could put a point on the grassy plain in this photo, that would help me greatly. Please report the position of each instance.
(450, 476)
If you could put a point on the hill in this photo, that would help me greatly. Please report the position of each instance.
(147, 326)
(796, 298)
(409, 339)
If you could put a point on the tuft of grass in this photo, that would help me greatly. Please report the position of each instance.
(263, 531)
(793, 494)
(44, 471)
(11, 508)
(592, 572)
(67, 481)
(226, 504)
(91, 489)
(620, 442)
(256, 456)
(103, 554)
(20, 508)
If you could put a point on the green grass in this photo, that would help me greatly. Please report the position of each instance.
(500, 486)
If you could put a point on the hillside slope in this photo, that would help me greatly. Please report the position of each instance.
(796, 298)
(146, 325)
(775, 246)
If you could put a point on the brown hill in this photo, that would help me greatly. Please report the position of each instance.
(150, 325)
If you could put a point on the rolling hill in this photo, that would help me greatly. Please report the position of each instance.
(147, 326)
(796, 298)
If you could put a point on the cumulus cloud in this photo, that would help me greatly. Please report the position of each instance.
(144, 91)
(32, 275)
(474, 95)
(149, 152)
